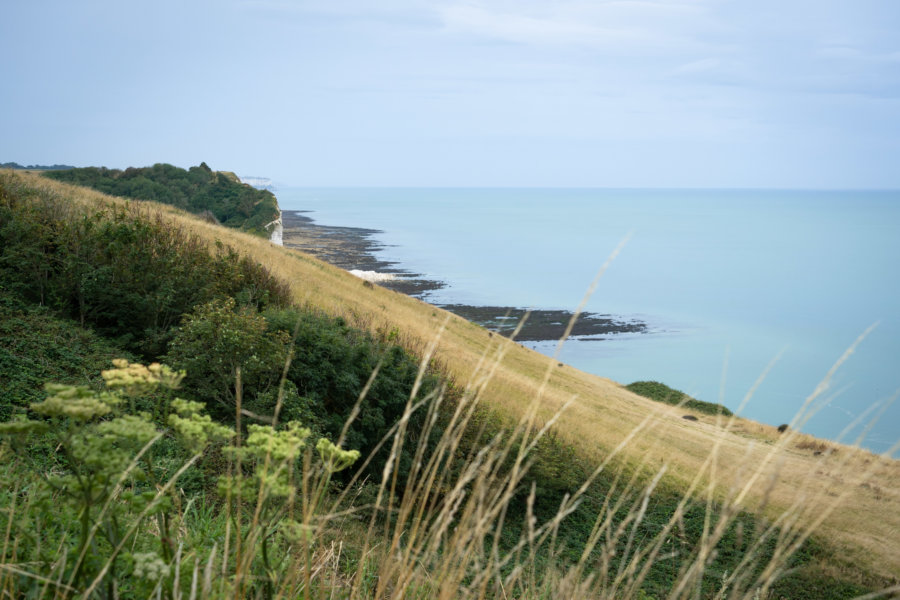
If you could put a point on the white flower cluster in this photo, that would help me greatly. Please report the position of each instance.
(150, 566)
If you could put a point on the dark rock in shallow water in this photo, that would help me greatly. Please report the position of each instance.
(543, 325)
(345, 247)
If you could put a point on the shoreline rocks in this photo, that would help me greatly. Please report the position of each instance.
(354, 249)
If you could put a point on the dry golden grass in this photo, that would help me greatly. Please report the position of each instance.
(849, 497)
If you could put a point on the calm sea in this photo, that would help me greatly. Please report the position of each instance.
(727, 280)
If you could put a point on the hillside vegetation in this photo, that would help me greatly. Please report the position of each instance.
(663, 393)
(218, 195)
(37, 346)
(483, 498)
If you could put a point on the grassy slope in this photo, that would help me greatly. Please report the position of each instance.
(850, 497)
(199, 190)
(36, 347)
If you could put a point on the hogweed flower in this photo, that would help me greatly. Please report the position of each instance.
(196, 430)
(280, 446)
(135, 378)
(150, 566)
(333, 457)
(76, 402)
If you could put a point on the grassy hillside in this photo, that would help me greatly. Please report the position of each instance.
(832, 493)
(216, 194)
(847, 497)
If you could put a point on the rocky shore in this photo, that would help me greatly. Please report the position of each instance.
(355, 248)
(543, 325)
(350, 248)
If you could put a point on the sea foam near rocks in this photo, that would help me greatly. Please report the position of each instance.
(373, 276)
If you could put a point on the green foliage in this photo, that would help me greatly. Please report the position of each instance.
(215, 341)
(808, 584)
(36, 347)
(107, 481)
(663, 393)
(331, 364)
(128, 275)
(197, 190)
(110, 487)
(15, 165)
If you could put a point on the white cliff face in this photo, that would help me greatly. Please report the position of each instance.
(260, 183)
(276, 228)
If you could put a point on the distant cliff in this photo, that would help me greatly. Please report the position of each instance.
(218, 195)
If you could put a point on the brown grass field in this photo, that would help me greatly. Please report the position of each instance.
(848, 496)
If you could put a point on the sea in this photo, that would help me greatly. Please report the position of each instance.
(750, 297)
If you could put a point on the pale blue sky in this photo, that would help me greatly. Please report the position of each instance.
(636, 93)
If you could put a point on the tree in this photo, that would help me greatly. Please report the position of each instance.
(215, 341)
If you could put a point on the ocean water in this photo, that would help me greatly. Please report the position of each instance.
(728, 281)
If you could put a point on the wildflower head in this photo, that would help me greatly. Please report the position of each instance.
(333, 457)
(196, 430)
(282, 445)
(76, 402)
(150, 566)
(135, 378)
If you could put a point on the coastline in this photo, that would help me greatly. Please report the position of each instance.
(354, 249)
(351, 249)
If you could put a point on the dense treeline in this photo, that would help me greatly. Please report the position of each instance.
(198, 190)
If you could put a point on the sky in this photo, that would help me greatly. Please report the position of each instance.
(519, 93)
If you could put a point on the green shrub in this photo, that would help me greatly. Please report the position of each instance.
(216, 340)
(330, 366)
(663, 393)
